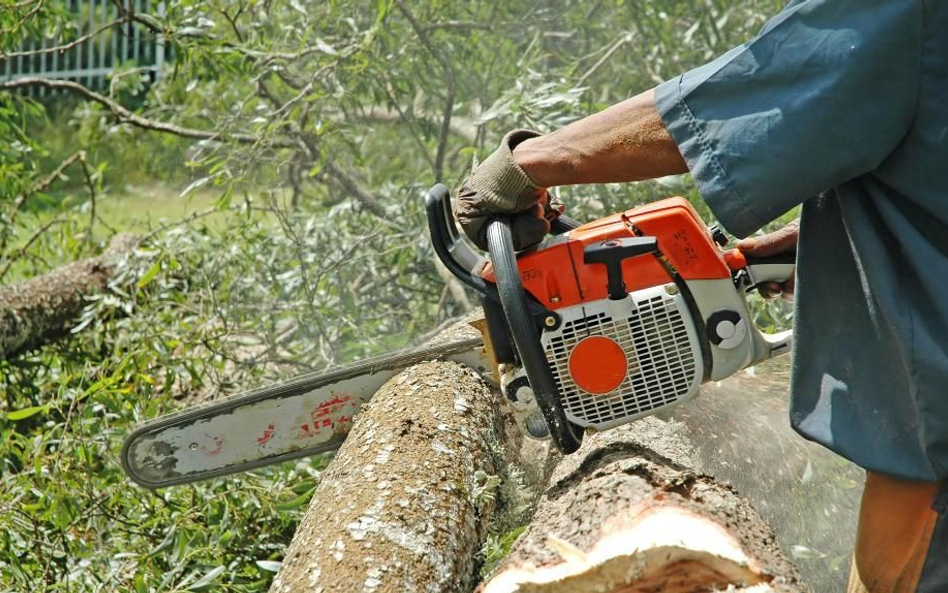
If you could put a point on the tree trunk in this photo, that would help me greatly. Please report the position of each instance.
(41, 309)
(406, 503)
(628, 513)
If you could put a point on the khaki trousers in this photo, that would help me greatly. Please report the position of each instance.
(902, 541)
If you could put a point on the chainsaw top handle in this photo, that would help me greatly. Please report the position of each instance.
(456, 252)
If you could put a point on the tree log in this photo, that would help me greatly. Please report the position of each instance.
(405, 504)
(41, 309)
(628, 513)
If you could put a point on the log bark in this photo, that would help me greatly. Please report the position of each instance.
(406, 503)
(42, 309)
(628, 513)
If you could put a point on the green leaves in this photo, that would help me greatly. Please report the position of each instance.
(24, 413)
(208, 579)
(269, 565)
(297, 502)
(150, 275)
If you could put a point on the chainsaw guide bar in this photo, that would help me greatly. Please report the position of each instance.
(302, 416)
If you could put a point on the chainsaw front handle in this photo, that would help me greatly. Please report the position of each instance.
(454, 250)
(526, 335)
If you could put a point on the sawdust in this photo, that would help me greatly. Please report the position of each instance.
(741, 432)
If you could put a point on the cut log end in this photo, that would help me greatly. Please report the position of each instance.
(665, 548)
(629, 513)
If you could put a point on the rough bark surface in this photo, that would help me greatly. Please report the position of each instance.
(42, 309)
(405, 504)
(628, 513)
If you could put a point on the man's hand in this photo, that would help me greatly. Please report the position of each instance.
(499, 185)
(626, 142)
(782, 241)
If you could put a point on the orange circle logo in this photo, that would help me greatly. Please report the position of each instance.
(598, 365)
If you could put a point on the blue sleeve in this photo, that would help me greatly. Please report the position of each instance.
(823, 94)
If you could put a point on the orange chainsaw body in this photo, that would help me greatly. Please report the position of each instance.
(683, 239)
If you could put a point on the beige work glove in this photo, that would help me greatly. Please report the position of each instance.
(499, 186)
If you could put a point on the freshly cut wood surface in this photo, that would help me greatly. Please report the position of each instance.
(628, 513)
(406, 503)
(43, 308)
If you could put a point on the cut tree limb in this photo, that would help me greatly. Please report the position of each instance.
(42, 309)
(628, 514)
(406, 503)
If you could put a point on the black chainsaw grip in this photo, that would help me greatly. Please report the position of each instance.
(563, 224)
(442, 231)
(526, 336)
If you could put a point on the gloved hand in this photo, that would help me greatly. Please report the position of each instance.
(499, 185)
(775, 243)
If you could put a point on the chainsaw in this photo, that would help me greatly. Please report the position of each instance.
(599, 325)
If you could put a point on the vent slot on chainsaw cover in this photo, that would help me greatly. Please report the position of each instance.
(663, 358)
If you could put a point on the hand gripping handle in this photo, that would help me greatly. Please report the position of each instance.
(777, 268)
(455, 251)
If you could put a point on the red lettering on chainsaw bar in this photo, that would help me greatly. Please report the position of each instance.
(322, 416)
(218, 447)
(267, 434)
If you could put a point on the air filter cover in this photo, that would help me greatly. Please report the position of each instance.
(615, 361)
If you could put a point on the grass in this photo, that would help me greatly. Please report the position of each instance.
(138, 208)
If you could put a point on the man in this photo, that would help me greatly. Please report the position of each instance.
(841, 106)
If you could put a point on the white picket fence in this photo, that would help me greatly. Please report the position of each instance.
(92, 62)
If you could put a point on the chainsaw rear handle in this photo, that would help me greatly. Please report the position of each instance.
(526, 336)
(778, 268)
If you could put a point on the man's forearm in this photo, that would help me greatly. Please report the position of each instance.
(626, 142)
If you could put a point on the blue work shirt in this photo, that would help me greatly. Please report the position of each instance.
(842, 105)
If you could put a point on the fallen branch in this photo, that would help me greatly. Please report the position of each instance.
(43, 308)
